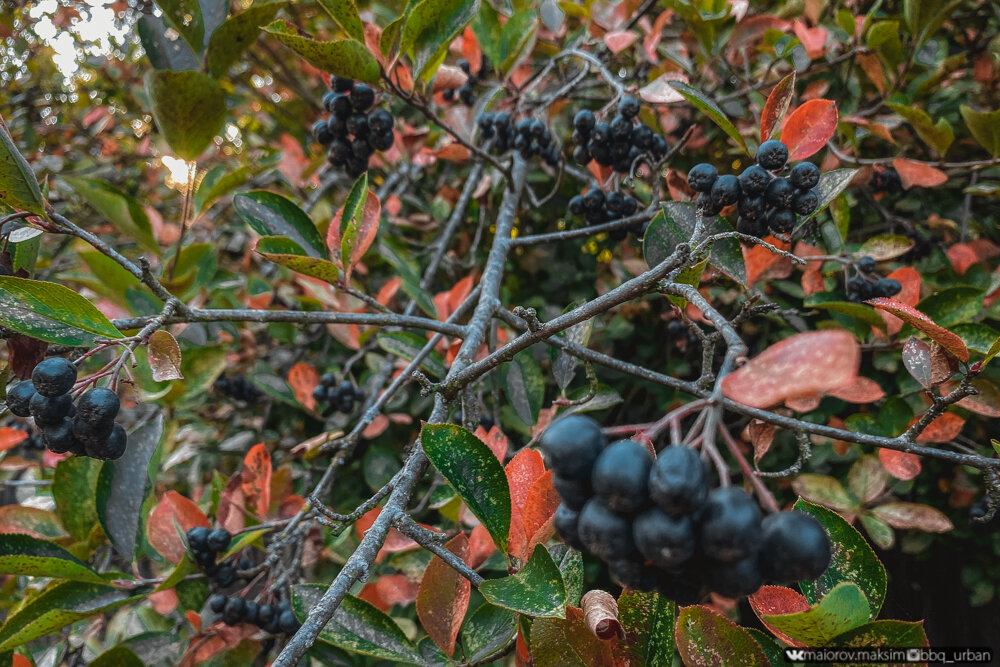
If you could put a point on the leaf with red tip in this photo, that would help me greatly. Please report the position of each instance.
(809, 127)
(918, 320)
(539, 510)
(256, 479)
(303, 378)
(495, 440)
(706, 637)
(354, 227)
(522, 471)
(901, 465)
(174, 514)
(443, 597)
(818, 361)
(917, 173)
(771, 600)
(776, 106)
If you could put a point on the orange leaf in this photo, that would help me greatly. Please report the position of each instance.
(652, 38)
(901, 465)
(231, 514)
(620, 40)
(818, 361)
(762, 263)
(522, 471)
(394, 542)
(174, 512)
(303, 378)
(443, 597)
(916, 173)
(813, 39)
(11, 437)
(453, 152)
(942, 429)
(539, 509)
(773, 600)
(256, 479)
(471, 51)
(776, 106)
(962, 256)
(481, 546)
(761, 437)
(909, 279)
(495, 440)
(911, 315)
(388, 590)
(862, 390)
(809, 128)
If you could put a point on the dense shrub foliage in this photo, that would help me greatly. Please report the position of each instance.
(496, 331)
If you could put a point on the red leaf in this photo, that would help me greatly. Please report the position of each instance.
(539, 509)
(942, 429)
(33, 521)
(367, 229)
(522, 471)
(776, 106)
(813, 39)
(11, 437)
(173, 512)
(911, 315)
(916, 173)
(771, 600)
(395, 541)
(443, 597)
(481, 546)
(862, 390)
(471, 50)
(961, 257)
(653, 36)
(660, 91)
(164, 602)
(256, 479)
(818, 361)
(618, 41)
(303, 378)
(909, 278)
(762, 263)
(231, 514)
(495, 440)
(453, 152)
(388, 590)
(809, 128)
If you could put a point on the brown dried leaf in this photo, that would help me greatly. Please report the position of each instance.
(600, 613)
(913, 516)
(164, 357)
(761, 437)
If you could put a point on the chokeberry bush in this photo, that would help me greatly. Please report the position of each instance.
(516, 333)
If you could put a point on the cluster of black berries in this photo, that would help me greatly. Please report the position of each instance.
(337, 397)
(885, 180)
(659, 525)
(529, 137)
(350, 134)
(765, 200)
(616, 144)
(238, 388)
(867, 285)
(598, 208)
(206, 545)
(464, 92)
(275, 619)
(85, 429)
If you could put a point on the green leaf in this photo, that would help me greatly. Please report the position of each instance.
(648, 620)
(954, 305)
(689, 276)
(18, 187)
(469, 466)
(407, 344)
(883, 37)
(358, 627)
(675, 224)
(218, 181)
(237, 34)
(119, 656)
(830, 185)
(74, 488)
(121, 486)
(352, 219)
(775, 654)
(824, 490)
(993, 351)
(703, 636)
(709, 108)
(570, 563)
(23, 245)
(844, 608)
(878, 530)
(60, 606)
(885, 246)
(517, 34)
(924, 17)
(346, 58)
(189, 108)
(51, 312)
(938, 136)
(286, 252)
(525, 386)
(976, 336)
(430, 28)
(178, 574)
(537, 590)
(888, 633)
(345, 13)
(163, 52)
(109, 279)
(270, 214)
(856, 310)
(184, 16)
(487, 631)
(122, 211)
(984, 126)
(30, 556)
(853, 560)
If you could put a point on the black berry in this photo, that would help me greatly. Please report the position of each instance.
(780, 193)
(19, 398)
(867, 264)
(341, 85)
(754, 180)
(888, 287)
(730, 528)
(805, 202)
(628, 107)
(287, 621)
(804, 175)
(606, 534)
(772, 155)
(621, 128)
(795, 547)
(197, 539)
(574, 493)
(571, 444)
(665, 540)
(59, 437)
(98, 406)
(219, 539)
(621, 475)
(225, 575)
(633, 574)
(781, 220)
(565, 522)
(702, 177)
(217, 602)
(362, 97)
(725, 191)
(735, 580)
(678, 480)
(601, 134)
(584, 121)
(53, 376)
(234, 611)
(50, 410)
(576, 207)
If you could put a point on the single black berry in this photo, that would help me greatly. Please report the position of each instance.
(197, 539)
(781, 220)
(19, 398)
(604, 533)
(794, 547)
(707, 206)
(341, 84)
(659, 147)
(234, 611)
(754, 180)
(225, 575)
(93, 436)
(265, 615)
(362, 97)
(584, 121)
(574, 493)
(614, 201)
(117, 443)
(382, 141)
(601, 134)
(621, 128)
(219, 539)
(581, 155)
(702, 177)
(571, 444)
(629, 205)
(756, 227)
(463, 65)
(780, 193)
(379, 121)
(448, 94)
(466, 94)
(667, 541)
(601, 153)
(594, 200)
(735, 580)
(565, 522)
(53, 376)
(50, 410)
(628, 107)
(730, 528)
(867, 264)
(621, 475)
(888, 287)
(725, 191)
(537, 128)
(361, 149)
(805, 202)
(752, 207)
(287, 621)
(252, 612)
(576, 207)
(59, 438)
(321, 132)
(631, 573)
(642, 136)
(772, 155)
(804, 175)
(98, 406)
(338, 104)
(357, 124)
(217, 602)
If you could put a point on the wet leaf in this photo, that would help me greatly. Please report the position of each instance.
(536, 590)
(808, 128)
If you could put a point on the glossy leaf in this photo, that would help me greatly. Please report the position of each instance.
(270, 214)
(844, 608)
(648, 620)
(704, 104)
(536, 590)
(776, 106)
(121, 210)
(430, 28)
(567, 642)
(184, 16)
(853, 560)
(346, 57)
(443, 597)
(74, 485)
(675, 224)
(189, 109)
(354, 227)
(918, 320)
(345, 13)
(487, 632)
(831, 184)
(885, 246)
(51, 312)
(30, 556)
(808, 128)
(237, 34)
(286, 252)
(984, 126)
(525, 386)
(703, 635)
(18, 187)
(472, 469)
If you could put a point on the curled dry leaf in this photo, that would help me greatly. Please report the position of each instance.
(164, 357)
(805, 363)
(600, 612)
(761, 437)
